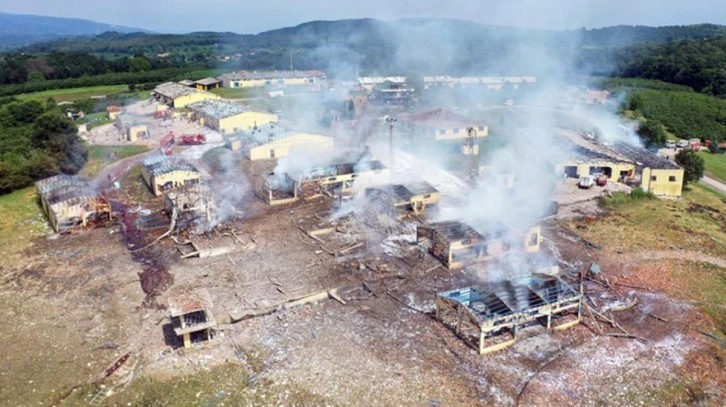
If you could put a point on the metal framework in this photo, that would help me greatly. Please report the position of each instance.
(488, 318)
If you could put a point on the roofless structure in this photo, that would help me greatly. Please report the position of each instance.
(488, 317)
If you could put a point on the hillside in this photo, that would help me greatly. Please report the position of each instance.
(344, 47)
(22, 29)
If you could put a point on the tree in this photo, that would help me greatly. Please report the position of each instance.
(652, 133)
(693, 165)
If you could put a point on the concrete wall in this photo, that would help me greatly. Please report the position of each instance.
(584, 168)
(244, 121)
(459, 133)
(663, 182)
(135, 131)
(176, 178)
(281, 148)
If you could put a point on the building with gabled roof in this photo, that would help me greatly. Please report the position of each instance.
(177, 95)
(207, 83)
(441, 125)
(228, 117)
(163, 173)
(70, 203)
(274, 141)
(249, 79)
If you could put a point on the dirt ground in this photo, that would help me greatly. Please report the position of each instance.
(75, 304)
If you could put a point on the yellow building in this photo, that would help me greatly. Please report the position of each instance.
(163, 173)
(130, 129)
(625, 163)
(70, 203)
(207, 84)
(273, 141)
(227, 117)
(177, 95)
(442, 125)
(245, 79)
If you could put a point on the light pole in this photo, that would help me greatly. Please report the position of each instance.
(390, 121)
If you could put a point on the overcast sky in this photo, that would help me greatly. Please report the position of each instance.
(252, 16)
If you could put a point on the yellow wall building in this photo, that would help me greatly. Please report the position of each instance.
(178, 96)
(227, 117)
(163, 173)
(662, 181)
(246, 79)
(272, 141)
(442, 125)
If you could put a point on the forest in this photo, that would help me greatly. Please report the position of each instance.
(36, 141)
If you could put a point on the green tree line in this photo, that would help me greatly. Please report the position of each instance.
(36, 141)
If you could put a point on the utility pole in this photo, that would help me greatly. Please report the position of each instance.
(390, 121)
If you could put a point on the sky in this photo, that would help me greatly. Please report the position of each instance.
(253, 16)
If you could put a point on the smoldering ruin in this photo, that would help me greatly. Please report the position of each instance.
(407, 235)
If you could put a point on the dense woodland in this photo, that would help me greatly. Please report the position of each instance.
(36, 141)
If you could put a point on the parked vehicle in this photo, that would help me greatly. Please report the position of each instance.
(601, 180)
(192, 139)
(586, 181)
(682, 143)
(670, 144)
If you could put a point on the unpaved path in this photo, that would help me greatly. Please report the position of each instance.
(650, 255)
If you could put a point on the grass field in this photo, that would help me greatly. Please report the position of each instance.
(70, 95)
(99, 156)
(22, 219)
(715, 165)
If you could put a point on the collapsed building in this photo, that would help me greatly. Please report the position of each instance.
(414, 197)
(191, 316)
(70, 203)
(278, 189)
(457, 244)
(129, 127)
(488, 317)
(163, 173)
(193, 205)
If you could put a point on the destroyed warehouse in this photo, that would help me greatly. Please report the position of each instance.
(457, 244)
(163, 173)
(69, 202)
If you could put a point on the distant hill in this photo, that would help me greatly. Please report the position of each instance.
(23, 29)
(345, 48)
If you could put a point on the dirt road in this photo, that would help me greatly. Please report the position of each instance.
(713, 182)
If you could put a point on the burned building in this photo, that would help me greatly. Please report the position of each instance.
(457, 244)
(129, 128)
(194, 205)
(163, 173)
(278, 189)
(414, 197)
(69, 202)
(191, 316)
(488, 317)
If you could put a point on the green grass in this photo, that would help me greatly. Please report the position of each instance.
(622, 198)
(100, 156)
(72, 94)
(22, 218)
(715, 165)
(96, 119)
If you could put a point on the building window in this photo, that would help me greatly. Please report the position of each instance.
(456, 131)
(481, 128)
(442, 131)
(653, 178)
(533, 239)
(672, 178)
